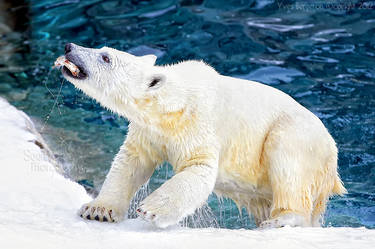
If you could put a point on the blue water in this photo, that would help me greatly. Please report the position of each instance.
(321, 54)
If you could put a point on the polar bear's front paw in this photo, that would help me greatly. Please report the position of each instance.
(96, 211)
(158, 211)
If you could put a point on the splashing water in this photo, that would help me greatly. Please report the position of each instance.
(203, 217)
(139, 196)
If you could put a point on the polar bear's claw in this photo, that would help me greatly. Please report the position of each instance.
(91, 211)
(148, 216)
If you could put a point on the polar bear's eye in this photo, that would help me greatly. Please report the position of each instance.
(105, 58)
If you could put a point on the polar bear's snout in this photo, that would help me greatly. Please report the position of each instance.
(73, 53)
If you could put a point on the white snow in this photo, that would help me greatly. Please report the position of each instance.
(38, 209)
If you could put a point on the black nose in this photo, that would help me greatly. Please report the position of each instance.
(68, 47)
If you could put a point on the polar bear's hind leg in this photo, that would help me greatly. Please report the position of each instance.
(289, 160)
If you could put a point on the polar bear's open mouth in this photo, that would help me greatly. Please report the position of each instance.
(69, 68)
(80, 75)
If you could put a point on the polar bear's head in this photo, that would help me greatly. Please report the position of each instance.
(129, 85)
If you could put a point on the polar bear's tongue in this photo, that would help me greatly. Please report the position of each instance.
(62, 61)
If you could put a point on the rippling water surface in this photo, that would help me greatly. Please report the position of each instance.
(322, 56)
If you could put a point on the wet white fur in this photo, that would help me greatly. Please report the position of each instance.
(241, 139)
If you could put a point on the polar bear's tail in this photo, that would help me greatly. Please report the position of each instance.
(338, 187)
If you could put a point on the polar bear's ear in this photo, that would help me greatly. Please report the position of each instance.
(154, 81)
(149, 59)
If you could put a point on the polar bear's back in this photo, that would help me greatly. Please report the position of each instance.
(252, 97)
(237, 102)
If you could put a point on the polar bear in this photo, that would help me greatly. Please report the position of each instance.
(238, 138)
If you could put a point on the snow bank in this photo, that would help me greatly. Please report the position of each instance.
(38, 209)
